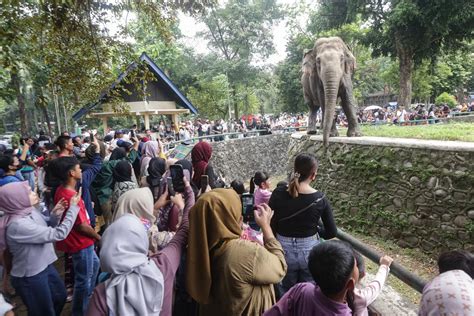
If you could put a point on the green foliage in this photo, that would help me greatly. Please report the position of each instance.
(446, 98)
(211, 97)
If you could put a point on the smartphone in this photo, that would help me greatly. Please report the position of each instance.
(177, 174)
(247, 208)
(92, 136)
(204, 181)
(132, 133)
(169, 182)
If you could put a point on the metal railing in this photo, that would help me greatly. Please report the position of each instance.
(407, 277)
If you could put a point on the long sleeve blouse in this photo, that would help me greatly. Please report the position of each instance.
(30, 241)
(167, 261)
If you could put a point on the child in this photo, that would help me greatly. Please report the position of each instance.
(367, 295)
(262, 193)
(80, 241)
(333, 268)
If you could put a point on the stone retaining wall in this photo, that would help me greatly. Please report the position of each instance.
(419, 194)
(241, 158)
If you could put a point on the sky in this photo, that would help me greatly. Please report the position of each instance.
(190, 27)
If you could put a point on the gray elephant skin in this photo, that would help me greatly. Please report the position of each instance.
(327, 70)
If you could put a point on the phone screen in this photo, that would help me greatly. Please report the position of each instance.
(177, 175)
(247, 208)
(204, 182)
(171, 190)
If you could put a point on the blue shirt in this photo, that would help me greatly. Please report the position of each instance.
(9, 179)
(88, 176)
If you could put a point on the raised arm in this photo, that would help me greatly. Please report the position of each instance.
(174, 249)
(28, 232)
(269, 264)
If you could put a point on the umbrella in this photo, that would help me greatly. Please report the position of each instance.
(372, 107)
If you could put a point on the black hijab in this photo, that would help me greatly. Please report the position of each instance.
(122, 172)
(118, 154)
(156, 169)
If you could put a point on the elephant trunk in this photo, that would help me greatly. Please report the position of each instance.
(330, 97)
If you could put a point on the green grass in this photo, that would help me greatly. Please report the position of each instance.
(452, 131)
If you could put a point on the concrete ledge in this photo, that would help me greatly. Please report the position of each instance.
(393, 142)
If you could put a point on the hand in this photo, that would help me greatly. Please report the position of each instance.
(186, 182)
(163, 200)
(134, 139)
(263, 215)
(386, 260)
(76, 198)
(96, 144)
(178, 200)
(59, 208)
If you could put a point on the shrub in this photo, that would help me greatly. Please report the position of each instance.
(446, 98)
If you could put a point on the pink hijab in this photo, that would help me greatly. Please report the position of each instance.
(15, 202)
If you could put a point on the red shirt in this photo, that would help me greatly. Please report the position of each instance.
(75, 241)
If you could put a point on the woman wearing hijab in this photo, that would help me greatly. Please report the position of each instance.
(122, 174)
(27, 238)
(151, 149)
(187, 165)
(156, 170)
(243, 272)
(200, 156)
(118, 153)
(138, 285)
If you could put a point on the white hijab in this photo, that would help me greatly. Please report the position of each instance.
(136, 284)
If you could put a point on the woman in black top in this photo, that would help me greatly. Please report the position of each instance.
(298, 209)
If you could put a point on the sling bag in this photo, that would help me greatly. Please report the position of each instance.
(301, 210)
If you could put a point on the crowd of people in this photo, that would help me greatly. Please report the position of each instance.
(142, 234)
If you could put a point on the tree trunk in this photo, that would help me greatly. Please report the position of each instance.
(405, 57)
(236, 104)
(15, 79)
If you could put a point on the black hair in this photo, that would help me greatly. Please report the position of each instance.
(74, 139)
(50, 146)
(62, 141)
(257, 180)
(331, 264)
(456, 260)
(238, 186)
(6, 161)
(61, 167)
(305, 166)
(282, 184)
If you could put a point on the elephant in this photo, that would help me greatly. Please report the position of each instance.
(326, 75)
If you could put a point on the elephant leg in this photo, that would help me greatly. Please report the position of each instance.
(312, 120)
(348, 105)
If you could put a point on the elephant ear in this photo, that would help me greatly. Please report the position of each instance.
(349, 61)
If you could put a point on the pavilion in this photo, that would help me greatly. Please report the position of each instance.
(162, 97)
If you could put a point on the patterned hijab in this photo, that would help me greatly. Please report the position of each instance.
(214, 220)
(136, 285)
(15, 202)
(450, 293)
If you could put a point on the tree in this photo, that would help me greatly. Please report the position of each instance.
(240, 33)
(211, 97)
(414, 30)
(67, 42)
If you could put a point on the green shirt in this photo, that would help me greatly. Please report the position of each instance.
(103, 182)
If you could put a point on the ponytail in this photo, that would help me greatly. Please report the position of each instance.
(305, 166)
(294, 186)
(252, 185)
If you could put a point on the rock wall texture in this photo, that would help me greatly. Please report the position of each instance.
(241, 158)
(419, 194)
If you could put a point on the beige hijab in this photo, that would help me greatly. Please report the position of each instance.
(138, 202)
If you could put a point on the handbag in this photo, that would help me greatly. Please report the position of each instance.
(304, 209)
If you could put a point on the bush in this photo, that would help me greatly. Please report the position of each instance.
(446, 98)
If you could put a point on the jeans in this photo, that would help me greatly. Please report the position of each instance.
(43, 294)
(296, 255)
(30, 177)
(86, 268)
